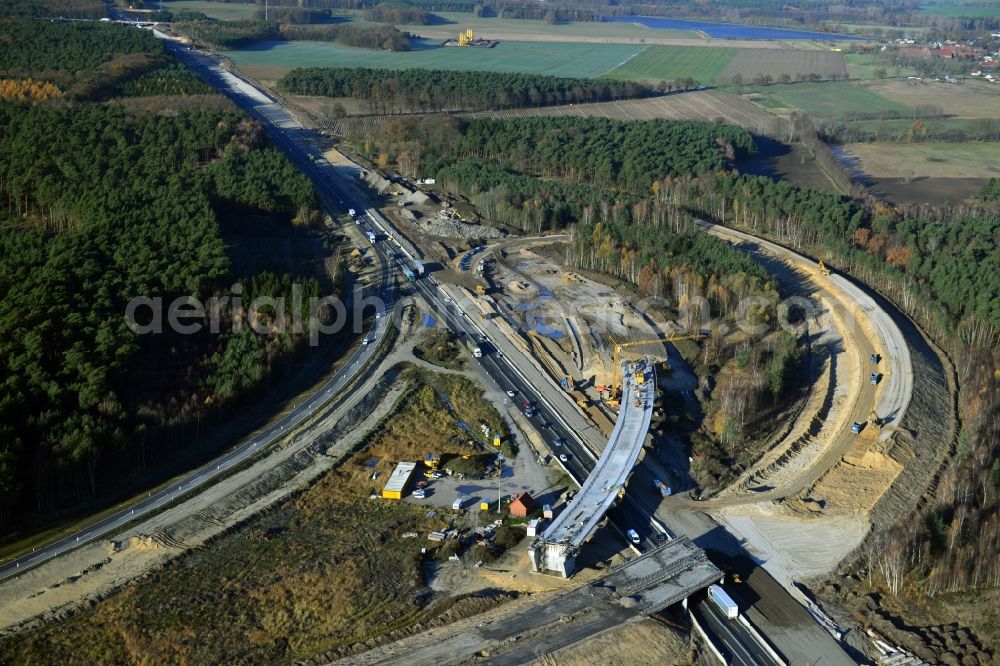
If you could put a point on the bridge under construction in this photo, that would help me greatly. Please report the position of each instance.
(556, 549)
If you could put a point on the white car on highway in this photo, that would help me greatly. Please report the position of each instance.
(511, 394)
(563, 457)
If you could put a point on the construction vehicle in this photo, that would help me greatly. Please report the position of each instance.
(480, 289)
(409, 275)
(567, 383)
(432, 461)
(874, 420)
(823, 269)
(616, 380)
(664, 489)
(371, 236)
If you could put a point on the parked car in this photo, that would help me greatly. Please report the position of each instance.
(876, 377)
(419, 493)
(875, 359)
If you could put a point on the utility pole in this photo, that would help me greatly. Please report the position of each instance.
(499, 481)
(265, 11)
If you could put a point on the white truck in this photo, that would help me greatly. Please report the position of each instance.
(633, 536)
(723, 602)
(371, 236)
(352, 212)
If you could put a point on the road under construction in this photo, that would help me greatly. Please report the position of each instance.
(557, 548)
(664, 574)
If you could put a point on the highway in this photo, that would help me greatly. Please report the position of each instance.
(732, 638)
(555, 416)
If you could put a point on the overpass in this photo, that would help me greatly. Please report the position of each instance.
(517, 635)
(555, 551)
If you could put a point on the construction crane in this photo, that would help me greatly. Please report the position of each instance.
(616, 380)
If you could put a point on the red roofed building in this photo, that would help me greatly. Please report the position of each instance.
(521, 506)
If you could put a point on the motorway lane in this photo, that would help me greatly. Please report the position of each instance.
(730, 636)
(630, 513)
(549, 422)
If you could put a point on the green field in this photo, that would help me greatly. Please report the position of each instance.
(963, 11)
(863, 66)
(226, 11)
(667, 63)
(834, 100)
(556, 59)
(451, 23)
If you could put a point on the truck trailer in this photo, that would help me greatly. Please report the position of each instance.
(474, 348)
(723, 602)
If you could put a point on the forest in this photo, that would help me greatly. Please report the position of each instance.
(607, 153)
(940, 265)
(79, 9)
(99, 205)
(33, 46)
(422, 90)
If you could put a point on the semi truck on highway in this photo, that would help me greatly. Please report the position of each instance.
(723, 602)
(371, 236)
(474, 348)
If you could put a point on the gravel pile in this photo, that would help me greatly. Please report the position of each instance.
(439, 226)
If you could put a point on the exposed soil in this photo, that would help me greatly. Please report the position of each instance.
(936, 191)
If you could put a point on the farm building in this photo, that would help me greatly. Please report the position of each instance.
(521, 506)
(396, 485)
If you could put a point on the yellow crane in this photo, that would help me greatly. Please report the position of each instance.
(616, 370)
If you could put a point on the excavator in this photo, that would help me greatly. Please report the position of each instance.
(823, 268)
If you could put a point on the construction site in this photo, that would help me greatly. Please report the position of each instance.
(468, 39)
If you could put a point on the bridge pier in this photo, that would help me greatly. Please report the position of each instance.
(555, 558)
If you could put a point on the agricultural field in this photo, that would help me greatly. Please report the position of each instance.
(451, 23)
(226, 11)
(704, 64)
(695, 105)
(864, 65)
(972, 100)
(928, 160)
(555, 59)
(698, 105)
(962, 10)
(832, 100)
(937, 173)
(749, 63)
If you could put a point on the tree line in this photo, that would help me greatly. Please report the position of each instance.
(240, 34)
(421, 90)
(77, 9)
(385, 12)
(34, 46)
